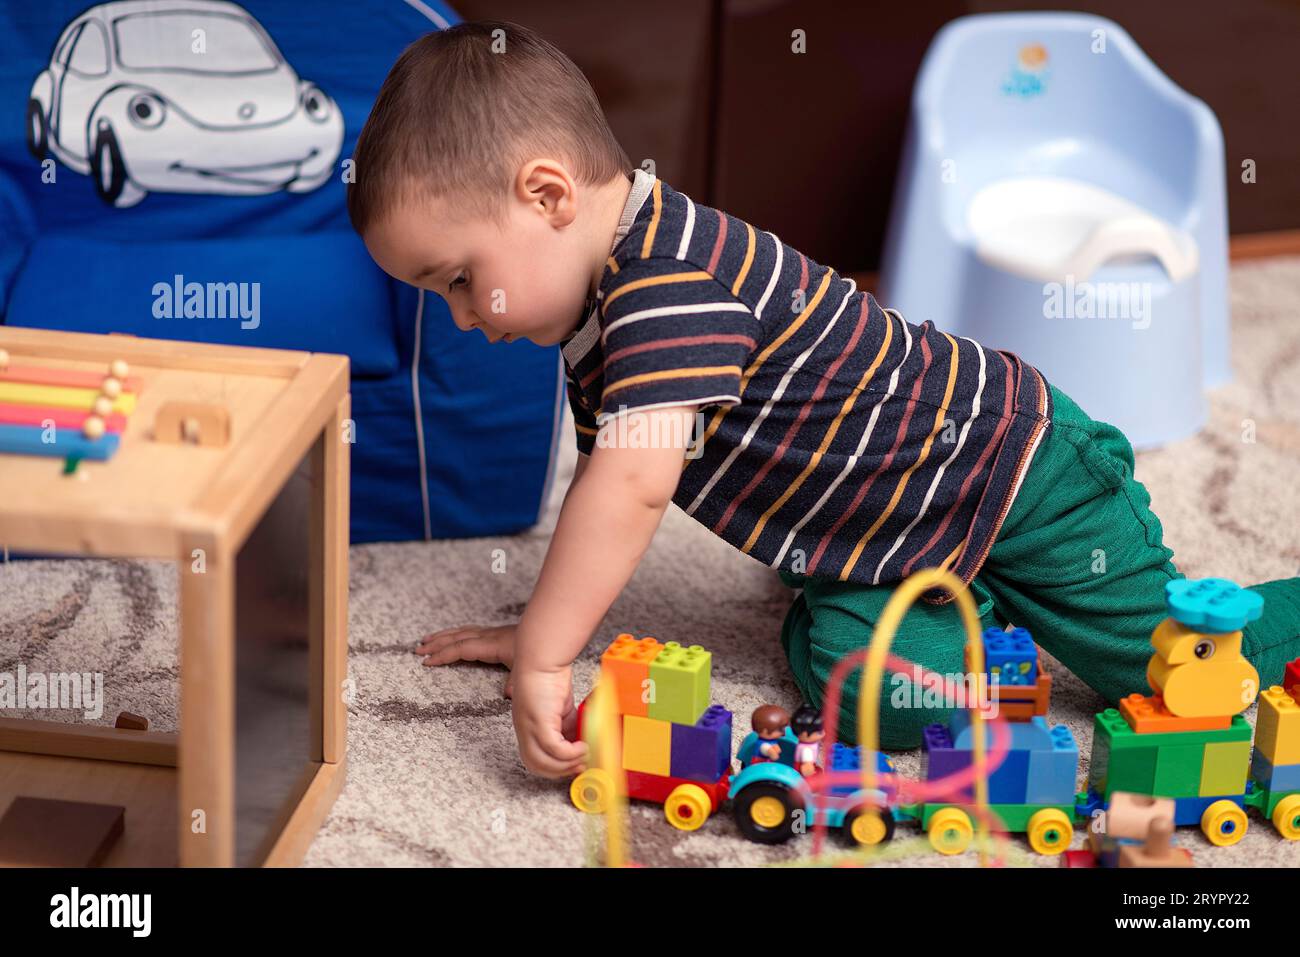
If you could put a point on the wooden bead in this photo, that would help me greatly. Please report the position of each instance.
(111, 387)
(119, 369)
(4, 359)
(103, 406)
(190, 429)
(93, 427)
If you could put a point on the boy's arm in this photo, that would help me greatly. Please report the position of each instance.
(609, 516)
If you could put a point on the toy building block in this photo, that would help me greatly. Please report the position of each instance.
(647, 745)
(40, 832)
(1178, 770)
(1022, 702)
(131, 722)
(1291, 679)
(1052, 773)
(1225, 767)
(679, 683)
(1157, 850)
(1212, 605)
(702, 751)
(1007, 784)
(1198, 667)
(1031, 735)
(1149, 714)
(1277, 726)
(1011, 657)
(627, 663)
(1273, 777)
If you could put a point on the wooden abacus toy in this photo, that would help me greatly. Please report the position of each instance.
(69, 413)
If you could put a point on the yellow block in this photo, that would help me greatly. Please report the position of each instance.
(647, 745)
(1277, 727)
(1225, 766)
(61, 396)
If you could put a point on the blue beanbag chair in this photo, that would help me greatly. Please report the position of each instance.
(180, 175)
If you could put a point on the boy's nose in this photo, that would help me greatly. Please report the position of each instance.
(463, 318)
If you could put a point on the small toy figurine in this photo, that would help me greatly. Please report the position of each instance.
(769, 723)
(807, 727)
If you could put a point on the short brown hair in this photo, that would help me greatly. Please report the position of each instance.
(770, 718)
(463, 108)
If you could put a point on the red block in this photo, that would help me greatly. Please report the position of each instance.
(656, 788)
(1292, 678)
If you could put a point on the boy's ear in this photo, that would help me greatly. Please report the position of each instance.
(546, 185)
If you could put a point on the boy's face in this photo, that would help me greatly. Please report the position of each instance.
(524, 277)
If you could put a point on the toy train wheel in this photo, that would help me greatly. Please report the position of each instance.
(950, 831)
(1224, 823)
(1286, 817)
(687, 807)
(866, 826)
(765, 813)
(1049, 831)
(591, 791)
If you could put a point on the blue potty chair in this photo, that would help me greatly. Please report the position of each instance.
(1061, 198)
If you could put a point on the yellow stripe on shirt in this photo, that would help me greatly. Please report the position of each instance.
(636, 284)
(693, 373)
(749, 261)
(653, 228)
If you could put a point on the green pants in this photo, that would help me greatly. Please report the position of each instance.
(1079, 561)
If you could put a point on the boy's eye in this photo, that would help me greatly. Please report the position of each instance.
(460, 280)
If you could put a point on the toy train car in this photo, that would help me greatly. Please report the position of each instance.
(1187, 743)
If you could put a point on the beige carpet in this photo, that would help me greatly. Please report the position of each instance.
(434, 776)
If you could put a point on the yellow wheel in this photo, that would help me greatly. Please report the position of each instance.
(1224, 823)
(767, 812)
(1286, 817)
(867, 826)
(591, 791)
(950, 831)
(688, 807)
(1049, 831)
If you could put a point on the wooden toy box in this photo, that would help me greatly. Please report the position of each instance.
(258, 528)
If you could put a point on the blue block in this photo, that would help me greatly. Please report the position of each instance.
(939, 758)
(1189, 810)
(1031, 735)
(1052, 773)
(846, 758)
(1010, 657)
(28, 440)
(702, 751)
(1213, 605)
(1274, 777)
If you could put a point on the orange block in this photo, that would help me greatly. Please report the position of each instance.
(626, 662)
(1148, 715)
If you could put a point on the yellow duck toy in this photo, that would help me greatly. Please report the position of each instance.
(1198, 669)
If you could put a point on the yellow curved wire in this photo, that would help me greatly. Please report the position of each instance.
(873, 677)
(603, 733)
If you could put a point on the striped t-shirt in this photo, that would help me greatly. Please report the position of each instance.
(839, 440)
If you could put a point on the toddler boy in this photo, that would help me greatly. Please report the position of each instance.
(839, 443)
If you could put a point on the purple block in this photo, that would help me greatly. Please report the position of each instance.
(702, 751)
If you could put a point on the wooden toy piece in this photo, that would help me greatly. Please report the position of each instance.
(111, 387)
(93, 427)
(70, 465)
(1157, 851)
(118, 369)
(131, 722)
(192, 422)
(103, 406)
(39, 832)
(4, 360)
(1130, 815)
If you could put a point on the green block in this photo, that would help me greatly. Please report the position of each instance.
(1099, 763)
(1111, 723)
(680, 683)
(1226, 768)
(1015, 817)
(1131, 769)
(1178, 770)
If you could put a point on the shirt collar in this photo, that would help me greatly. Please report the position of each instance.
(576, 347)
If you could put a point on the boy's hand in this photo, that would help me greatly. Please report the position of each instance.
(495, 645)
(544, 714)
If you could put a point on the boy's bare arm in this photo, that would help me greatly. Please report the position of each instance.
(610, 513)
(606, 523)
